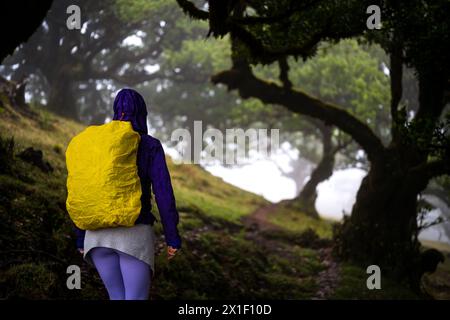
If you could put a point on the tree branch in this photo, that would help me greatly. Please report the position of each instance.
(341, 145)
(258, 49)
(396, 73)
(432, 169)
(242, 79)
(191, 10)
(284, 73)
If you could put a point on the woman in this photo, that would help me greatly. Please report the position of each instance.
(124, 256)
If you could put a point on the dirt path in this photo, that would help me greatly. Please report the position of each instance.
(327, 279)
(258, 221)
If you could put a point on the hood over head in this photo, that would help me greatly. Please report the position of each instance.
(129, 105)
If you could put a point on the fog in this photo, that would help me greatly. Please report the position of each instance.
(336, 196)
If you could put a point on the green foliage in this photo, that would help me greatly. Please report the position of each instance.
(269, 41)
(202, 55)
(34, 281)
(136, 10)
(348, 75)
(426, 136)
(292, 28)
(353, 286)
(422, 29)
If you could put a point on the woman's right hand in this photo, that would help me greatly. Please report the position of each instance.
(171, 252)
(81, 251)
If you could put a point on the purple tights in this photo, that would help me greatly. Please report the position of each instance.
(125, 277)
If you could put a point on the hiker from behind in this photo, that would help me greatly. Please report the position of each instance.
(112, 170)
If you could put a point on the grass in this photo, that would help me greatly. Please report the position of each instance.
(298, 222)
(218, 265)
(353, 286)
(32, 132)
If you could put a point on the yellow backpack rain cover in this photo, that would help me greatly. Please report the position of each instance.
(103, 186)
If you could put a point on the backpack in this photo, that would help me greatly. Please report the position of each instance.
(103, 186)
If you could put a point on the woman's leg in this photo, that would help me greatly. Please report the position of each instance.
(136, 277)
(106, 261)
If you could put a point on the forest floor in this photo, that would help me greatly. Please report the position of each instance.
(236, 245)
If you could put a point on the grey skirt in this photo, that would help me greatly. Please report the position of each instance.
(137, 241)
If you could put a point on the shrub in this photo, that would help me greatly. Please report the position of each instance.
(28, 281)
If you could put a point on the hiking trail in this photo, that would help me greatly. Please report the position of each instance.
(258, 222)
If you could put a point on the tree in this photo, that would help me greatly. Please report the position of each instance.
(356, 66)
(23, 17)
(69, 64)
(347, 74)
(382, 228)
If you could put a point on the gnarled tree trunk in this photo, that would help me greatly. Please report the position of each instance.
(306, 200)
(383, 227)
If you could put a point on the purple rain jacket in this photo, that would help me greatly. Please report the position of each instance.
(152, 169)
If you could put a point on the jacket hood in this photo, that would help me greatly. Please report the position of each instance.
(129, 105)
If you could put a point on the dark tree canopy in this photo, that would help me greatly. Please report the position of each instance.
(19, 20)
